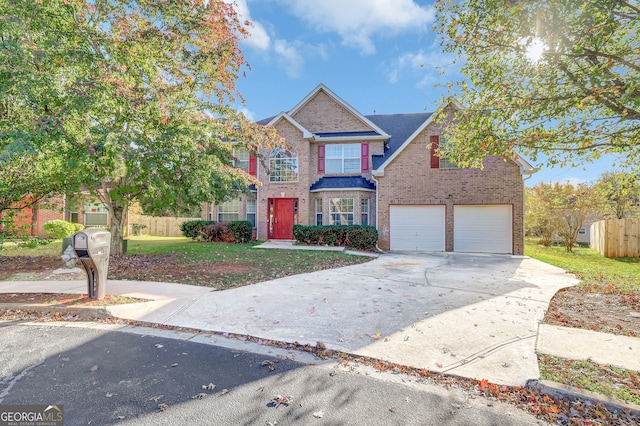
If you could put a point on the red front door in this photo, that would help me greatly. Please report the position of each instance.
(282, 218)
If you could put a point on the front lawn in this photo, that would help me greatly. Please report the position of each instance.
(180, 260)
(607, 300)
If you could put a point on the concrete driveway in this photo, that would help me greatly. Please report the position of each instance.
(471, 315)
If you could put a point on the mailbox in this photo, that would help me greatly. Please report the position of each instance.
(92, 246)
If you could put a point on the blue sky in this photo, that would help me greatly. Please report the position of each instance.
(380, 56)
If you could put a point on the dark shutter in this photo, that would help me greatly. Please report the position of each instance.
(364, 160)
(435, 160)
(320, 158)
(253, 165)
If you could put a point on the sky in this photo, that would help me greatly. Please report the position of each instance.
(380, 56)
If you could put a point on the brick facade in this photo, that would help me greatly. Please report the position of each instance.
(407, 179)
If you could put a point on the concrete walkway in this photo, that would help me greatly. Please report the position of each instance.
(476, 316)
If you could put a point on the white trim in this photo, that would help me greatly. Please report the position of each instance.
(342, 189)
(349, 138)
(283, 115)
(352, 110)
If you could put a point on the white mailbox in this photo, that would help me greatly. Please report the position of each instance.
(93, 246)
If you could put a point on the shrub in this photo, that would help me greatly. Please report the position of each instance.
(242, 230)
(216, 233)
(59, 228)
(77, 227)
(193, 228)
(360, 237)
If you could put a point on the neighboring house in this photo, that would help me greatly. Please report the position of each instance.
(345, 168)
(77, 209)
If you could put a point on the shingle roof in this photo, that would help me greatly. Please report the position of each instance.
(400, 127)
(342, 182)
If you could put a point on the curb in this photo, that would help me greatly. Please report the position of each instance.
(85, 312)
(560, 390)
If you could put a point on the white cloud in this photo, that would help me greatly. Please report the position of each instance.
(247, 113)
(258, 38)
(356, 21)
(426, 65)
(290, 59)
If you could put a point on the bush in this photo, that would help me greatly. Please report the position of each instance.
(59, 228)
(77, 227)
(360, 237)
(193, 228)
(216, 233)
(242, 230)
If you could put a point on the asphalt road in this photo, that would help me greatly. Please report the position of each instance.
(111, 377)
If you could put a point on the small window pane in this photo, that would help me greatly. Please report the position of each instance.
(319, 212)
(341, 210)
(364, 212)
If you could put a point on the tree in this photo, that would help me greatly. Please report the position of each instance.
(559, 209)
(553, 77)
(144, 97)
(619, 194)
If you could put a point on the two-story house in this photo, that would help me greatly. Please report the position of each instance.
(342, 167)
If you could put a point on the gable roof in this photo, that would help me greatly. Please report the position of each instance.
(406, 127)
(342, 102)
(400, 127)
(284, 116)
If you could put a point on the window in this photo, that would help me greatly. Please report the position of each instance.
(364, 211)
(283, 165)
(251, 211)
(228, 211)
(582, 231)
(342, 158)
(241, 158)
(341, 210)
(95, 214)
(319, 212)
(445, 163)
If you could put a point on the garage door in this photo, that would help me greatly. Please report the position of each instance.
(482, 229)
(417, 228)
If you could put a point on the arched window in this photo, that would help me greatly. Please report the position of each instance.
(283, 165)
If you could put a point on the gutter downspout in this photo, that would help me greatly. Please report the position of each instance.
(377, 220)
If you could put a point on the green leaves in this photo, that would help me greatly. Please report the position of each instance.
(580, 100)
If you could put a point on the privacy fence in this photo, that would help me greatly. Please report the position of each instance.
(158, 226)
(616, 237)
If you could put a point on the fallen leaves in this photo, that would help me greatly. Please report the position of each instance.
(94, 368)
(280, 400)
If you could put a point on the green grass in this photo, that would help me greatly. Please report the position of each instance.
(596, 271)
(216, 265)
(607, 380)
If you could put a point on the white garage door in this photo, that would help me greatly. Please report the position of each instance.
(482, 229)
(419, 228)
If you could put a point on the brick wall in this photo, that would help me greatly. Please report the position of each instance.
(409, 179)
(323, 114)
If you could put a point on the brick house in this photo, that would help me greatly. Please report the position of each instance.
(343, 167)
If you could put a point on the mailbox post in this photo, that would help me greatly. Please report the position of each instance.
(92, 246)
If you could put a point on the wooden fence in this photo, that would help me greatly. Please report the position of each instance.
(616, 237)
(160, 226)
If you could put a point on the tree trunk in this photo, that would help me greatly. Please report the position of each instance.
(117, 226)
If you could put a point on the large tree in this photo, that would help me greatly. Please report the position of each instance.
(619, 194)
(553, 77)
(144, 97)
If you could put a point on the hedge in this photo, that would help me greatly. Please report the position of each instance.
(242, 230)
(239, 231)
(193, 228)
(61, 228)
(360, 237)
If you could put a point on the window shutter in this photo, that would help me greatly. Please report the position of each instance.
(320, 158)
(253, 165)
(364, 160)
(435, 160)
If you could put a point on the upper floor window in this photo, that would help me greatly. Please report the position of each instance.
(241, 158)
(439, 143)
(283, 165)
(446, 163)
(343, 158)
